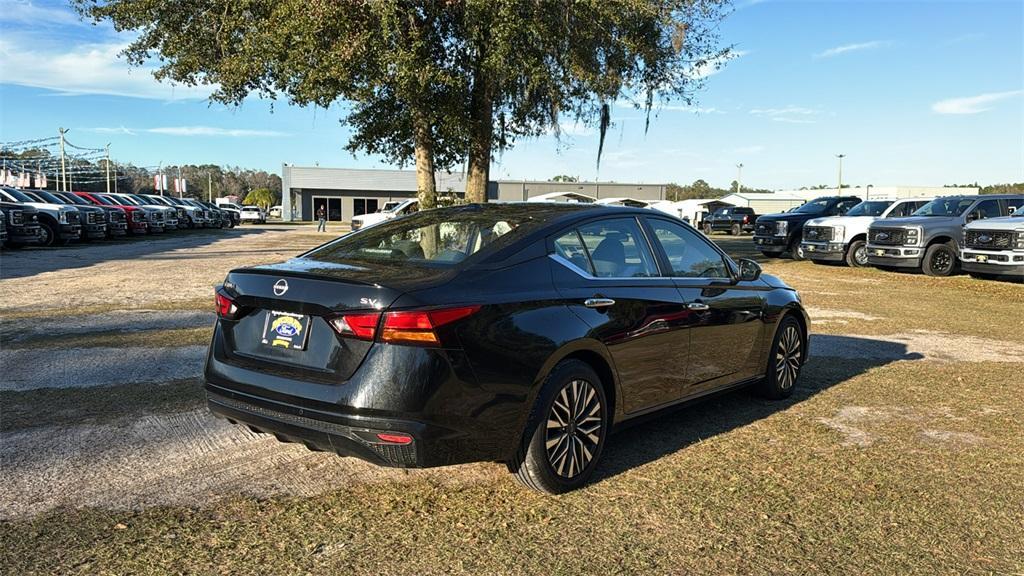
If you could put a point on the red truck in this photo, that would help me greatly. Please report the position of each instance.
(137, 223)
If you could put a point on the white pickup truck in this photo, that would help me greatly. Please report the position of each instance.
(844, 238)
(995, 247)
(396, 209)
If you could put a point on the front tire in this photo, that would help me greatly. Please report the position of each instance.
(566, 431)
(785, 360)
(797, 251)
(707, 229)
(940, 260)
(49, 235)
(857, 254)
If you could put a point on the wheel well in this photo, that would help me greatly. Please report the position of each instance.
(939, 240)
(863, 237)
(604, 371)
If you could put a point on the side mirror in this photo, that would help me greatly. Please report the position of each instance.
(749, 270)
(973, 216)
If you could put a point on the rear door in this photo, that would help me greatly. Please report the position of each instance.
(608, 274)
(725, 324)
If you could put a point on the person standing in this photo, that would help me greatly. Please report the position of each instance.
(321, 215)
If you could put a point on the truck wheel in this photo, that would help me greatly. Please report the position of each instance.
(735, 231)
(707, 229)
(797, 251)
(940, 260)
(857, 254)
(49, 235)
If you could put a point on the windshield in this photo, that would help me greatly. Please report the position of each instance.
(73, 199)
(814, 206)
(945, 207)
(432, 238)
(103, 200)
(18, 195)
(153, 200)
(873, 208)
(390, 206)
(126, 200)
(49, 197)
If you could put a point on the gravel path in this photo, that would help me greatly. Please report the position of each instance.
(88, 367)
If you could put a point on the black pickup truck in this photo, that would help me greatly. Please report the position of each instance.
(22, 223)
(732, 219)
(777, 233)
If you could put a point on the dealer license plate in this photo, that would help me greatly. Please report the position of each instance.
(286, 330)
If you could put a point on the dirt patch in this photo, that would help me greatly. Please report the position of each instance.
(863, 425)
(32, 368)
(189, 459)
(952, 438)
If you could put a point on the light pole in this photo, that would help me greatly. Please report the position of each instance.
(840, 156)
(739, 177)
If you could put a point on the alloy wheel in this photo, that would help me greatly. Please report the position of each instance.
(573, 428)
(941, 261)
(787, 357)
(860, 255)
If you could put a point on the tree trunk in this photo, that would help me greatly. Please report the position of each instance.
(481, 137)
(426, 186)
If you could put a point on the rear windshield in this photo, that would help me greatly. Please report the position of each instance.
(873, 208)
(436, 238)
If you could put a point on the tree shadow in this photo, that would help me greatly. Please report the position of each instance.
(676, 429)
(29, 261)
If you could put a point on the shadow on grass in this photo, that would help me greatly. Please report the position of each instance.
(678, 428)
(30, 261)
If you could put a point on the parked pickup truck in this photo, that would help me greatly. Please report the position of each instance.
(401, 209)
(22, 222)
(732, 219)
(777, 233)
(995, 247)
(844, 238)
(930, 239)
(58, 223)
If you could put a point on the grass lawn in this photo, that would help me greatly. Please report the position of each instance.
(873, 467)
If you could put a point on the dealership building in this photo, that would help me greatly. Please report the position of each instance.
(345, 193)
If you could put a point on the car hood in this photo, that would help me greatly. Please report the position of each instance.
(1000, 223)
(49, 206)
(774, 281)
(920, 221)
(786, 216)
(840, 220)
(371, 218)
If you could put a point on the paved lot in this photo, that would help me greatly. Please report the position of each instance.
(103, 420)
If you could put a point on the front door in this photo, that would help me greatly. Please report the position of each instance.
(610, 278)
(726, 330)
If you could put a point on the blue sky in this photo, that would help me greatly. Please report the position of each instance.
(914, 93)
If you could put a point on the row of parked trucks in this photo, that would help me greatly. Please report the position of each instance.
(48, 218)
(980, 234)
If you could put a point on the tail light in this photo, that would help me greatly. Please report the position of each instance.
(401, 327)
(746, 219)
(226, 307)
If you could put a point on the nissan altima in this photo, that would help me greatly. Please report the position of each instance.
(516, 333)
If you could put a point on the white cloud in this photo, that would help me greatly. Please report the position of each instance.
(714, 65)
(25, 12)
(852, 48)
(754, 149)
(86, 69)
(972, 104)
(210, 131)
(788, 114)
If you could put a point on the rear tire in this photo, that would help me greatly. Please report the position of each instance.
(785, 359)
(857, 254)
(566, 431)
(940, 260)
(735, 231)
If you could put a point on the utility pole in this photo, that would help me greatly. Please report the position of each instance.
(840, 156)
(181, 183)
(209, 187)
(160, 177)
(108, 166)
(739, 177)
(63, 167)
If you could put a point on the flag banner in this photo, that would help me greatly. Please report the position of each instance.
(156, 182)
(177, 188)
(164, 182)
(184, 186)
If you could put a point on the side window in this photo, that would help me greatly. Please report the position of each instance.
(904, 209)
(618, 249)
(689, 255)
(570, 247)
(986, 209)
(1014, 205)
(844, 206)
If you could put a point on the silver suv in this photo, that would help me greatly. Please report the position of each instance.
(930, 239)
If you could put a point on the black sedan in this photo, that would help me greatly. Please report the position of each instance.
(520, 333)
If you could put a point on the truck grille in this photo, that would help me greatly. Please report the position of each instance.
(989, 239)
(818, 233)
(156, 216)
(764, 229)
(117, 216)
(73, 218)
(17, 217)
(90, 218)
(889, 236)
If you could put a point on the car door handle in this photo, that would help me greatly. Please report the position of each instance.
(697, 306)
(598, 302)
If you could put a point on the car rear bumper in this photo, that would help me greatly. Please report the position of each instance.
(824, 251)
(428, 394)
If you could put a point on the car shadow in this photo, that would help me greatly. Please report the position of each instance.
(29, 261)
(834, 360)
